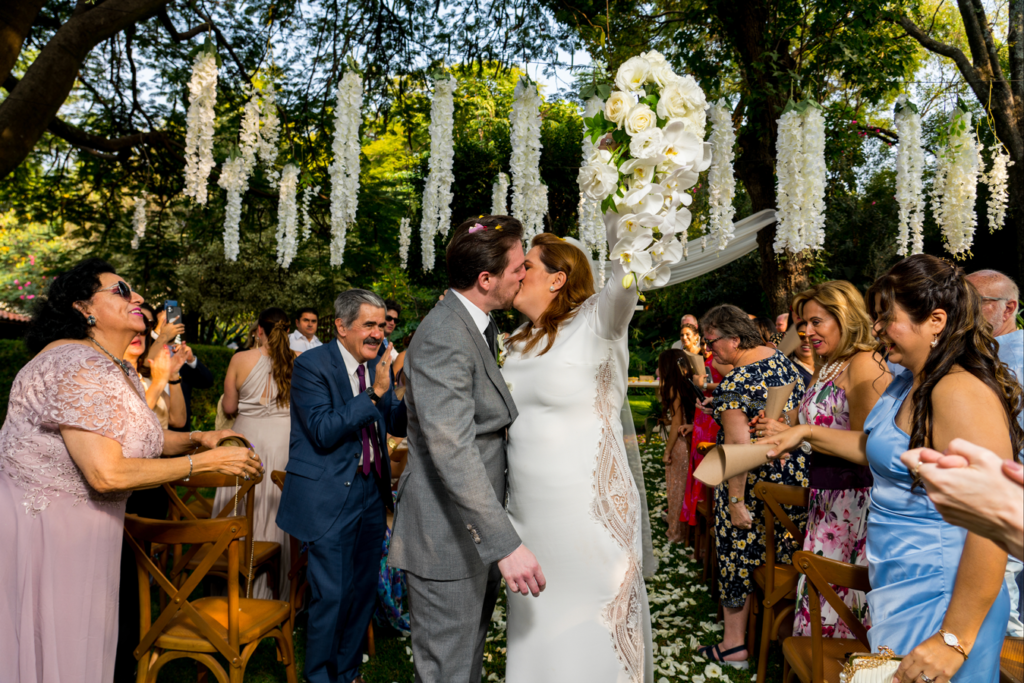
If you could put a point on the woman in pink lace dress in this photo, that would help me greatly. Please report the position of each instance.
(77, 439)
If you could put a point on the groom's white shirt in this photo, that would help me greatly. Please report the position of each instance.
(478, 315)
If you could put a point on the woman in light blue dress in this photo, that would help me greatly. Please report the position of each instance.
(937, 596)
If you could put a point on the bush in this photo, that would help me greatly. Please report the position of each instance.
(14, 356)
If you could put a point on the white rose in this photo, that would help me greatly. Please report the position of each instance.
(598, 178)
(646, 144)
(662, 74)
(617, 106)
(640, 118)
(593, 105)
(680, 98)
(654, 58)
(633, 73)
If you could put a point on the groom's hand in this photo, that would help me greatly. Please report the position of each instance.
(522, 572)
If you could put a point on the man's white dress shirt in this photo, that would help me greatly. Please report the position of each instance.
(299, 343)
(479, 316)
(351, 365)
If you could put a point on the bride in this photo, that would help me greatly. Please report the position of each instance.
(572, 498)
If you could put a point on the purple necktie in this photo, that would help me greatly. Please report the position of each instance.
(366, 431)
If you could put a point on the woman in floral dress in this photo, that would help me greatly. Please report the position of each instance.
(739, 521)
(842, 394)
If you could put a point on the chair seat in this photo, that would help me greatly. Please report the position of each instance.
(1011, 661)
(797, 652)
(785, 574)
(256, 618)
(262, 552)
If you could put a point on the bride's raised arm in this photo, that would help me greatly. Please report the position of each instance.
(615, 303)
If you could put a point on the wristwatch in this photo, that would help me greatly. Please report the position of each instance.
(733, 500)
(373, 397)
(954, 642)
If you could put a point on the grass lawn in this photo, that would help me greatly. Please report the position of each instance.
(683, 616)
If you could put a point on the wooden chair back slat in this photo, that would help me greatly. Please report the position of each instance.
(774, 497)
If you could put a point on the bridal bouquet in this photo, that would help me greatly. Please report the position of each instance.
(651, 149)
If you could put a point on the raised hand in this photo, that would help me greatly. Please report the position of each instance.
(382, 380)
(522, 572)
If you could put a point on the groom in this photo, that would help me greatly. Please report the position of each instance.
(452, 535)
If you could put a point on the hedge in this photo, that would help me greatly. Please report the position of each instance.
(14, 356)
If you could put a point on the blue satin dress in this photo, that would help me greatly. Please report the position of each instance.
(913, 554)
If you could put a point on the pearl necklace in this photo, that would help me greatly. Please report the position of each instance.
(830, 371)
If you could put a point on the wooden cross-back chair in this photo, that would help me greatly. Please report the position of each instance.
(200, 629)
(265, 555)
(818, 659)
(776, 581)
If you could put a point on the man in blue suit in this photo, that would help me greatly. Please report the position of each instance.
(338, 488)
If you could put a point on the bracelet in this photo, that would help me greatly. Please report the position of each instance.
(174, 381)
(190, 439)
(189, 466)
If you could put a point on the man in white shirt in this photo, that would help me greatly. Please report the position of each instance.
(686, 320)
(304, 337)
(394, 310)
(999, 295)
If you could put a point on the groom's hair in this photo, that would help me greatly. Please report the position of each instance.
(484, 250)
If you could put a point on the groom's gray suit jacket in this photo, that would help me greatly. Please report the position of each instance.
(450, 521)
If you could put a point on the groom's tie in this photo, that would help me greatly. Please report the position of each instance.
(368, 434)
(491, 335)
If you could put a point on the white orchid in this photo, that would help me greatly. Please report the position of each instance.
(659, 275)
(682, 147)
(631, 252)
(667, 249)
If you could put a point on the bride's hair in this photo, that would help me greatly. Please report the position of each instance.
(557, 255)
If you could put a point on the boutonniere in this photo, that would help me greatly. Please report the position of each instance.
(502, 353)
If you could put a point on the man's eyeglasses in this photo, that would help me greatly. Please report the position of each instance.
(122, 289)
(391, 319)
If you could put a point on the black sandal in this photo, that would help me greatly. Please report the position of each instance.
(715, 654)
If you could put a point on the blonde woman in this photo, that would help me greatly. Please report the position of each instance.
(257, 389)
(852, 378)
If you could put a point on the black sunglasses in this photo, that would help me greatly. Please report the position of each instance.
(122, 289)
(391, 318)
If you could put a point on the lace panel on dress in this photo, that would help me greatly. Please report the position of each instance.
(616, 506)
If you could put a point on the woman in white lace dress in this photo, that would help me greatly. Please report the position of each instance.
(77, 439)
(572, 498)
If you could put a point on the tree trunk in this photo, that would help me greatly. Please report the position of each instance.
(746, 22)
(16, 19)
(24, 116)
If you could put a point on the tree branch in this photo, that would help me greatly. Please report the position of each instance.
(165, 21)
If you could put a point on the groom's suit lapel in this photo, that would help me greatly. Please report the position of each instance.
(493, 372)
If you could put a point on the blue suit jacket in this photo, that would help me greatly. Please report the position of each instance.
(326, 443)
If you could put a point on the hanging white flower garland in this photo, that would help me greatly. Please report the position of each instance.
(499, 196)
(139, 220)
(909, 184)
(234, 180)
(997, 180)
(591, 225)
(287, 216)
(344, 170)
(955, 187)
(800, 171)
(307, 198)
(404, 241)
(721, 179)
(437, 195)
(202, 89)
(529, 195)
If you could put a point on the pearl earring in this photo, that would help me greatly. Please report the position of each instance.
(551, 288)
(935, 341)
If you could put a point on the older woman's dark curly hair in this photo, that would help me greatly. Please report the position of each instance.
(55, 316)
(731, 321)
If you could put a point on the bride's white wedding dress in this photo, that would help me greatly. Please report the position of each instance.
(574, 503)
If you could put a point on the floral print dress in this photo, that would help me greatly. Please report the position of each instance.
(741, 551)
(837, 517)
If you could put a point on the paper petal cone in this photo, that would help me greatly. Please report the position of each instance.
(723, 462)
(775, 404)
(696, 362)
(790, 341)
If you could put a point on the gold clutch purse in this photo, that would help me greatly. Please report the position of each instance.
(871, 668)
